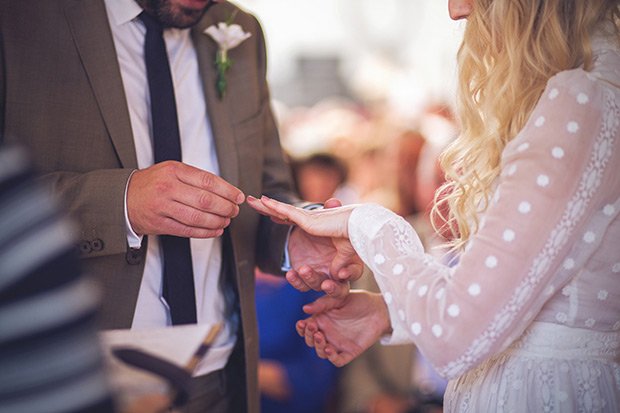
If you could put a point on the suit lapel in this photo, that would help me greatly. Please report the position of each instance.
(218, 110)
(93, 39)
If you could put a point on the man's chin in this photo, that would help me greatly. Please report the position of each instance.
(187, 19)
(183, 17)
(197, 5)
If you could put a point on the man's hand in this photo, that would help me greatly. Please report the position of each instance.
(341, 329)
(321, 254)
(322, 263)
(173, 198)
(332, 265)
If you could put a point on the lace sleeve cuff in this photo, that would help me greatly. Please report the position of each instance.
(364, 223)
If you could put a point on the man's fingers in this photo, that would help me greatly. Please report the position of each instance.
(332, 203)
(295, 280)
(180, 230)
(311, 278)
(204, 201)
(208, 182)
(351, 272)
(195, 218)
(177, 199)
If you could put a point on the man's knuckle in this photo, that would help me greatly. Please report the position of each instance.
(205, 200)
(187, 231)
(167, 167)
(208, 180)
(162, 186)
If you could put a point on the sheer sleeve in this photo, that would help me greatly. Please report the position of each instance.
(556, 175)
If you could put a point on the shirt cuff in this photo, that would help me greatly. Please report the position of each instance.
(134, 240)
(286, 260)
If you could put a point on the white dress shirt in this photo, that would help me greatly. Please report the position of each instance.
(197, 150)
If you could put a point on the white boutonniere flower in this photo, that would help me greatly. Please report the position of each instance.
(227, 36)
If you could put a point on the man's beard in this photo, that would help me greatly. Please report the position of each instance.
(177, 17)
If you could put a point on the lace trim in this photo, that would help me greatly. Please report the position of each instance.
(590, 181)
(558, 341)
(367, 219)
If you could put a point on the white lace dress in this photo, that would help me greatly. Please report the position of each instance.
(529, 319)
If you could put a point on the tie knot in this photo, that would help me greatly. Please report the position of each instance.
(150, 23)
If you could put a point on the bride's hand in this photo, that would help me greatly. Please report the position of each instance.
(329, 222)
(340, 329)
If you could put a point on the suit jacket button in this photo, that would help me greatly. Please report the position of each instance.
(85, 247)
(134, 256)
(96, 244)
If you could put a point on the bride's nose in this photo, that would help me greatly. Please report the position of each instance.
(460, 9)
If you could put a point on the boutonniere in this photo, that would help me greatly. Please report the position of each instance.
(227, 36)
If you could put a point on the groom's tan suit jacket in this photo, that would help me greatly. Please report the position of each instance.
(61, 95)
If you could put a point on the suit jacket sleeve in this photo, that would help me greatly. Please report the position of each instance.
(47, 105)
(272, 237)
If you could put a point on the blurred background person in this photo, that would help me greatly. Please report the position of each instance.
(319, 177)
(290, 377)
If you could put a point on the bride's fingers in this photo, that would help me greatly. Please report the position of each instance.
(281, 221)
(338, 359)
(279, 212)
(300, 326)
(263, 209)
(335, 289)
(311, 328)
(322, 304)
(284, 210)
(320, 343)
(257, 205)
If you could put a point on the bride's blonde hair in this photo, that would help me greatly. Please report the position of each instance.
(510, 50)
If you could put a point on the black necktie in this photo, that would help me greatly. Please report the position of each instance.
(178, 278)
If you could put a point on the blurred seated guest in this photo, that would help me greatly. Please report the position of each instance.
(319, 176)
(292, 378)
(285, 360)
(410, 144)
(49, 350)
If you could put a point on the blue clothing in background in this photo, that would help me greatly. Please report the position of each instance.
(279, 307)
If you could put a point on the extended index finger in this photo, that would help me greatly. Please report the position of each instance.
(280, 210)
(209, 182)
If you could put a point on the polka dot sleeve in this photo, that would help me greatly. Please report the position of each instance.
(557, 174)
